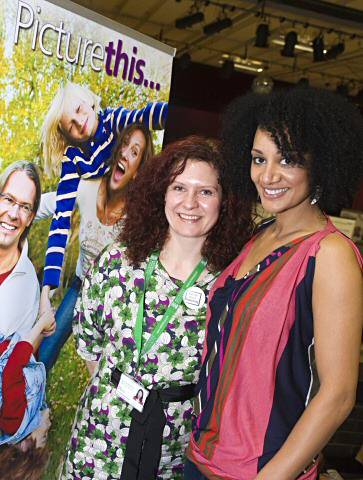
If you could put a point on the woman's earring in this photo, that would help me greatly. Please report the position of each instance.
(316, 196)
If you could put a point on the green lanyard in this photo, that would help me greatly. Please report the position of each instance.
(170, 312)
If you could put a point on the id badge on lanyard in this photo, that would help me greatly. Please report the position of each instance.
(132, 392)
(130, 389)
(171, 310)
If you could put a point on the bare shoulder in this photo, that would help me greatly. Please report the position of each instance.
(336, 255)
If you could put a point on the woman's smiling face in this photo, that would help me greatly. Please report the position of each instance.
(280, 183)
(193, 200)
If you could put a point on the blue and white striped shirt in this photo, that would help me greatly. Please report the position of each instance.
(90, 161)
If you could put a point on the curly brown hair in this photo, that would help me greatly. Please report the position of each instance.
(146, 228)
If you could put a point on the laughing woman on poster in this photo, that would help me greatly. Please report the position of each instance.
(142, 312)
(78, 138)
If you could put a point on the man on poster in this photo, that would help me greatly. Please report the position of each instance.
(19, 289)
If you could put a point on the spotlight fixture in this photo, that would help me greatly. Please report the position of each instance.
(227, 69)
(262, 84)
(342, 89)
(184, 61)
(318, 49)
(303, 82)
(262, 33)
(217, 26)
(189, 20)
(290, 42)
(302, 47)
(335, 50)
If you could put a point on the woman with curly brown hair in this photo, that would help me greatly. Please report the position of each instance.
(142, 316)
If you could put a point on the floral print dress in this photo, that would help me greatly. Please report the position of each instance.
(105, 317)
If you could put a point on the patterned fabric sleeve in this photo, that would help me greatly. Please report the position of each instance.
(89, 323)
(153, 116)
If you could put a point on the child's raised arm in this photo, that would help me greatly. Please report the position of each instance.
(153, 116)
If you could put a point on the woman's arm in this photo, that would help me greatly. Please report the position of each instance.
(337, 310)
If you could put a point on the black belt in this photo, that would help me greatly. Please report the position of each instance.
(143, 448)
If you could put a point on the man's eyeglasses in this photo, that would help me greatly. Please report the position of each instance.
(8, 202)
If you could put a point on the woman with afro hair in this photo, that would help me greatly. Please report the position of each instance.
(281, 356)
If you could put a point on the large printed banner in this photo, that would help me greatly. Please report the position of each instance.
(45, 44)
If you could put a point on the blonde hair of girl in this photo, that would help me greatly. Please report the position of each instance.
(54, 142)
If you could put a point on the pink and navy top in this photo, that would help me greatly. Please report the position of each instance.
(258, 370)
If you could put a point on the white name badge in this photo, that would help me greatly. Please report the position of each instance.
(132, 392)
(194, 297)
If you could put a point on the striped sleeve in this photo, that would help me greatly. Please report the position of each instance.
(154, 116)
(61, 222)
(96, 165)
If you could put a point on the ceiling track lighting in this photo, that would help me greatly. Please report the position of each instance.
(217, 26)
(318, 49)
(245, 63)
(262, 34)
(225, 6)
(290, 42)
(249, 68)
(189, 20)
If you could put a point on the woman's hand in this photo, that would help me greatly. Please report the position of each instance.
(44, 327)
(46, 313)
(47, 323)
